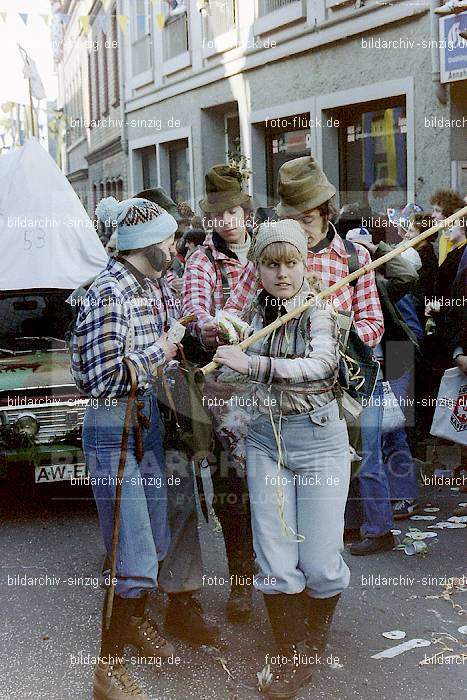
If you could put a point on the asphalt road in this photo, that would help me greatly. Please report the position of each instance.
(47, 629)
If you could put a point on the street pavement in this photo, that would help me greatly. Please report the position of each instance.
(48, 630)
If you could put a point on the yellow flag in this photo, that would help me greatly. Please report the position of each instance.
(46, 19)
(85, 23)
(123, 22)
(3, 15)
(105, 3)
(161, 21)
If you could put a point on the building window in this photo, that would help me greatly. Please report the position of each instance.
(96, 87)
(179, 171)
(141, 37)
(373, 153)
(220, 18)
(175, 36)
(91, 101)
(286, 138)
(267, 6)
(114, 58)
(232, 138)
(105, 73)
(149, 167)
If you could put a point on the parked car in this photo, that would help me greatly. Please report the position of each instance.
(41, 410)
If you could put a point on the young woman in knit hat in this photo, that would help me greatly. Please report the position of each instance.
(298, 462)
(211, 274)
(125, 315)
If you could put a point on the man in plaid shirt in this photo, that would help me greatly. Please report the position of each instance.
(305, 197)
(211, 273)
(123, 317)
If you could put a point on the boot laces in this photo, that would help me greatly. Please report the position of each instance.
(149, 630)
(126, 682)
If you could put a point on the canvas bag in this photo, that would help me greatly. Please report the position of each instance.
(393, 415)
(450, 418)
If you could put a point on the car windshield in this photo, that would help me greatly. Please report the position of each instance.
(34, 319)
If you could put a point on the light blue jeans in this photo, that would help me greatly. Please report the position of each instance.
(402, 472)
(314, 482)
(144, 535)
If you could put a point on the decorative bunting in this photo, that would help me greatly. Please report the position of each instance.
(46, 19)
(103, 22)
(24, 16)
(141, 24)
(160, 21)
(65, 18)
(3, 16)
(105, 4)
(85, 22)
(123, 22)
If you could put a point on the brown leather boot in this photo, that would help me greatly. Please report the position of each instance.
(295, 667)
(111, 678)
(113, 682)
(144, 635)
(320, 612)
(294, 663)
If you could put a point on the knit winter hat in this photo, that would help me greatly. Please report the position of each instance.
(160, 197)
(139, 222)
(302, 185)
(223, 189)
(284, 231)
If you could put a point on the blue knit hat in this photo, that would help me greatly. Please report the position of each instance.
(139, 222)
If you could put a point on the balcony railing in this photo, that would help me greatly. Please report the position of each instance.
(267, 6)
(219, 19)
(175, 37)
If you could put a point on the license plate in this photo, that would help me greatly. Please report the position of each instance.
(48, 473)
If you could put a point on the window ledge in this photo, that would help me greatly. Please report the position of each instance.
(172, 65)
(279, 18)
(75, 144)
(220, 43)
(142, 79)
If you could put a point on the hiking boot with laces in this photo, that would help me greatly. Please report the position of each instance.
(239, 605)
(184, 619)
(144, 635)
(113, 682)
(294, 670)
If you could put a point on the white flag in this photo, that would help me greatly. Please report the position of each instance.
(30, 72)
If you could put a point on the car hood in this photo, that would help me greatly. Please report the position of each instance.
(35, 370)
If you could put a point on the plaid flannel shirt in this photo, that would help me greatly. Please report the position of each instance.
(330, 265)
(100, 337)
(202, 292)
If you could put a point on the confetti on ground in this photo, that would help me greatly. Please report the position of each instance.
(395, 634)
(431, 510)
(401, 648)
(423, 517)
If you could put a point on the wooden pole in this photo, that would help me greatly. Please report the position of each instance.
(282, 320)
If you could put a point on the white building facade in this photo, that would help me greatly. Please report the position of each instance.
(356, 84)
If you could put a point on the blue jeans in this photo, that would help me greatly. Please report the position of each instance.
(144, 533)
(402, 473)
(373, 481)
(314, 482)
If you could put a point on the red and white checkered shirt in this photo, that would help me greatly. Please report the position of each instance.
(331, 265)
(202, 292)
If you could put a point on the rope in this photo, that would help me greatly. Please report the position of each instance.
(287, 529)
